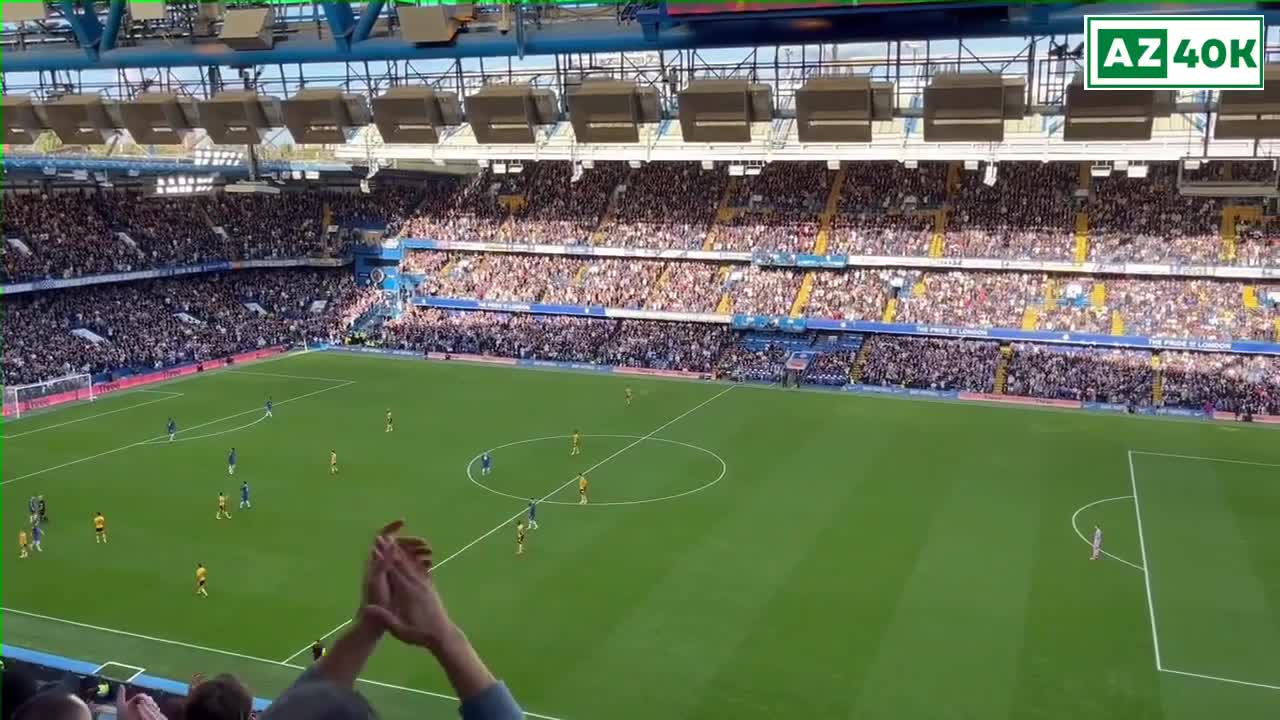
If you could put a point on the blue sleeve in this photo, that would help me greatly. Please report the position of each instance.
(493, 703)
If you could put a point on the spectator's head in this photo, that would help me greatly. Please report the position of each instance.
(320, 701)
(222, 698)
(18, 687)
(53, 705)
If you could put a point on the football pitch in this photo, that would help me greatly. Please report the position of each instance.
(748, 552)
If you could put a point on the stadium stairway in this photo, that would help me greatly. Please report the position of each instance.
(937, 245)
(829, 211)
(1082, 237)
(1050, 292)
(1250, 298)
(802, 296)
(953, 178)
(610, 211)
(1117, 323)
(1002, 367)
(1157, 381)
(1232, 216)
(1098, 295)
(724, 214)
(890, 311)
(860, 362)
(1084, 180)
(1030, 318)
(725, 306)
(1278, 330)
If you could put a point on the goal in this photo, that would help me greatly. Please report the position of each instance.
(21, 399)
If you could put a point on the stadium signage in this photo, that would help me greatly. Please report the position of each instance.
(1167, 52)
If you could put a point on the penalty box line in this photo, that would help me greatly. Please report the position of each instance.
(241, 656)
(1146, 572)
(436, 566)
(122, 448)
(167, 396)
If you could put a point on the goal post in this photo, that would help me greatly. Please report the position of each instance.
(22, 399)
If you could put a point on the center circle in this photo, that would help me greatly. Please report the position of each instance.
(636, 440)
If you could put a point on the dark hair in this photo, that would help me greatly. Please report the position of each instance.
(222, 698)
(52, 705)
(17, 686)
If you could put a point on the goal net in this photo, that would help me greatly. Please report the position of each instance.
(22, 399)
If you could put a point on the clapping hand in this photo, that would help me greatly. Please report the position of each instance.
(399, 596)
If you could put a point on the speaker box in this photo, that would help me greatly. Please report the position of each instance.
(248, 29)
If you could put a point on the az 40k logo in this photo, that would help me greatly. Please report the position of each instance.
(1155, 52)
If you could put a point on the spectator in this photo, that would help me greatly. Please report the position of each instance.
(222, 698)
(1081, 373)
(931, 363)
(398, 596)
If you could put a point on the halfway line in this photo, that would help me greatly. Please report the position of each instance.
(567, 483)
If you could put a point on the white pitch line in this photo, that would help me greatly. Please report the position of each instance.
(442, 696)
(1206, 459)
(436, 566)
(185, 438)
(15, 436)
(285, 376)
(159, 437)
(140, 636)
(1232, 681)
(1076, 527)
(1146, 564)
(254, 658)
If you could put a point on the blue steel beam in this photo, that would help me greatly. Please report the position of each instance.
(85, 25)
(368, 17)
(115, 16)
(605, 36)
(341, 22)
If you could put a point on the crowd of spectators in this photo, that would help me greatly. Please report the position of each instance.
(860, 294)
(1206, 309)
(753, 364)
(897, 235)
(474, 212)
(785, 187)
(687, 347)
(769, 230)
(560, 210)
(1080, 373)
(502, 277)
(829, 369)
(764, 291)
(1262, 170)
(1073, 309)
(882, 187)
(1258, 245)
(1152, 307)
(931, 363)
(970, 299)
(1225, 382)
(73, 234)
(666, 205)
(1149, 220)
(1026, 214)
(608, 282)
(675, 286)
(687, 287)
(158, 323)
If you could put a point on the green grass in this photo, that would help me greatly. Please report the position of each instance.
(861, 557)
